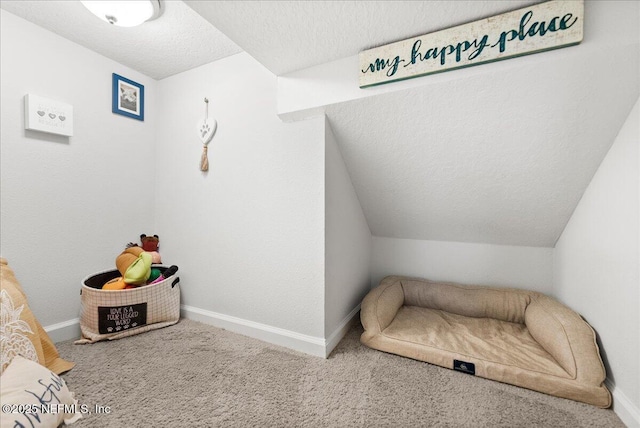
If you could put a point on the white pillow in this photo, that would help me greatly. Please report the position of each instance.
(32, 395)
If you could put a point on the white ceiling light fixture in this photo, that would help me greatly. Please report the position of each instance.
(125, 13)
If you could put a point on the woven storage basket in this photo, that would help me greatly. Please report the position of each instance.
(114, 314)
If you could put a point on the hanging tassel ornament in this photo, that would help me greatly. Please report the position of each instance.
(206, 129)
(204, 161)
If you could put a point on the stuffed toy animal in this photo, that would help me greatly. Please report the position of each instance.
(150, 245)
(134, 264)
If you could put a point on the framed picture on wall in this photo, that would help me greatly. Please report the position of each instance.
(127, 97)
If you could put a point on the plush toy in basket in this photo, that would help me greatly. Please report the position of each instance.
(136, 297)
(135, 264)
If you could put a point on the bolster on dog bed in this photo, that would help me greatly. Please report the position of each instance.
(519, 337)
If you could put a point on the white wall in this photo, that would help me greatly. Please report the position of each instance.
(481, 264)
(347, 241)
(68, 206)
(248, 235)
(597, 262)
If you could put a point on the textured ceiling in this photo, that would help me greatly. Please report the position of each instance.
(468, 162)
(177, 41)
(502, 156)
(286, 36)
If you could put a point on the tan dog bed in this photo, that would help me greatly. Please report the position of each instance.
(519, 337)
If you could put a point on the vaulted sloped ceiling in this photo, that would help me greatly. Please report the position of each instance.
(500, 157)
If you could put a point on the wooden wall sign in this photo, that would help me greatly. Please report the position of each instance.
(537, 28)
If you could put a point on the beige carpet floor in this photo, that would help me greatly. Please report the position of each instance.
(195, 375)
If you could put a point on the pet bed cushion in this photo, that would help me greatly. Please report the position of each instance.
(25, 386)
(514, 336)
(499, 341)
(21, 333)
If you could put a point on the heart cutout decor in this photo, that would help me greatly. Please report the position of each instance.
(52, 116)
(40, 113)
(62, 118)
(206, 130)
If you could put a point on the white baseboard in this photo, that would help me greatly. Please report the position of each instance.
(624, 407)
(278, 336)
(65, 330)
(312, 345)
(342, 329)
(70, 330)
